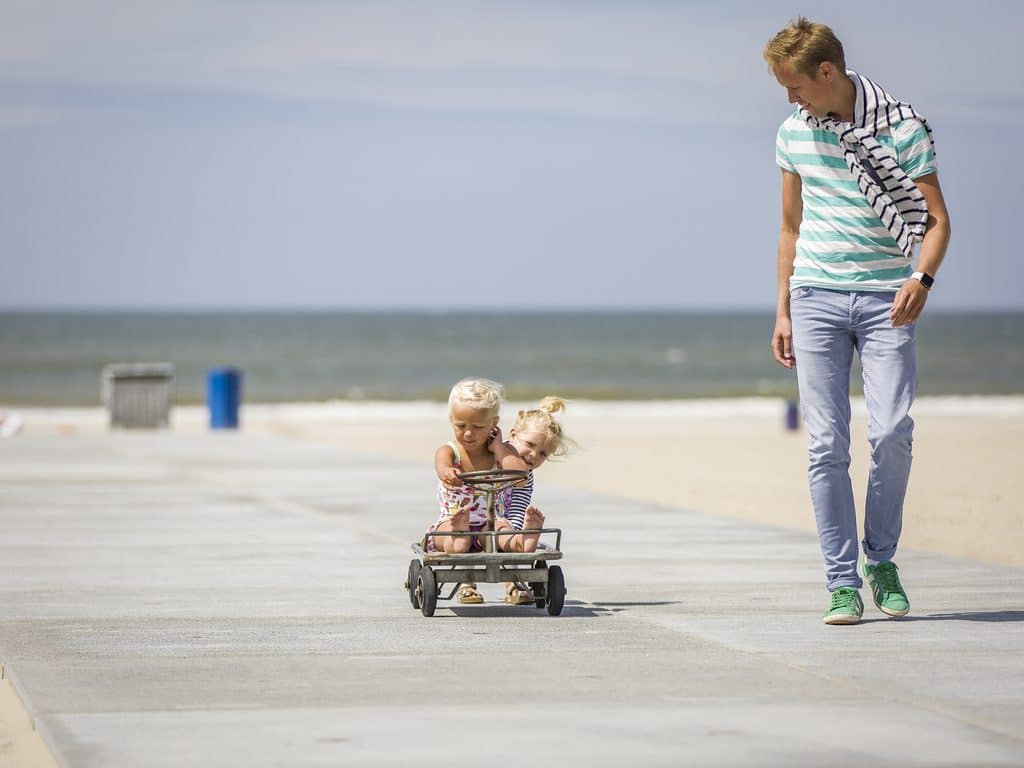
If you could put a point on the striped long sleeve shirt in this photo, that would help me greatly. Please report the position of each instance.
(843, 244)
(515, 513)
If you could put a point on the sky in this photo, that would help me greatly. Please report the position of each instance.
(444, 156)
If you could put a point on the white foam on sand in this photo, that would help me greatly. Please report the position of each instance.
(621, 410)
(618, 410)
(10, 423)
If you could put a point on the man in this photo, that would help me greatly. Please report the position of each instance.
(859, 192)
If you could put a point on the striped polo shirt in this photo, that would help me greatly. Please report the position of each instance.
(842, 243)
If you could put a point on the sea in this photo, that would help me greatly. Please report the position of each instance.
(57, 359)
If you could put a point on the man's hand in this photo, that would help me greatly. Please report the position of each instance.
(782, 342)
(909, 302)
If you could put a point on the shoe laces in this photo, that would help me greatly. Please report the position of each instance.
(843, 597)
(886, 576)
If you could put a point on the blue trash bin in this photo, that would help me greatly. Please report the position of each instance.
(223, 396)
(792, 415)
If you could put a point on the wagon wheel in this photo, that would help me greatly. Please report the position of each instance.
(556, 590)
(538, 586)
(426, 590)
(412, 580)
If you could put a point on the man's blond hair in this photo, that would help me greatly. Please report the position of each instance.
(802, 46)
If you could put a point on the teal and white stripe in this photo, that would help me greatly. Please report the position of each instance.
(843, 243)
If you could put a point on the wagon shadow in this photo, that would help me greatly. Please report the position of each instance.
(572, 608)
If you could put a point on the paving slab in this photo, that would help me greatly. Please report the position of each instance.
(230, 599)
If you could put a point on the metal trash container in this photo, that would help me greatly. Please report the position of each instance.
(223, 396)
(138, 395)
(792, 415)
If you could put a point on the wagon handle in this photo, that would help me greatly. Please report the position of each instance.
(491, 480)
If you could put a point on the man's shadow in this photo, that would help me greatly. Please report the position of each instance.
(985, 616)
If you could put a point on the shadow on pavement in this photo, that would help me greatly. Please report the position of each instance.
(572, 608)
(991, 616)
(637, 604)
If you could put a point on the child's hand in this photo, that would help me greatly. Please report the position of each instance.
(496, 440)
(451, 477)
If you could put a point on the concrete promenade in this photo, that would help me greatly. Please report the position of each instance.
(226, 599)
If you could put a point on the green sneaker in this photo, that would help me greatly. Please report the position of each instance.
(845, 607)
(884, 581)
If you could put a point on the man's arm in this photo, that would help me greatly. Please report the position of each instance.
(792, 214)
(911, 297)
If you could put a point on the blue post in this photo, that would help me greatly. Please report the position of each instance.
(223, 396)
(792, 416)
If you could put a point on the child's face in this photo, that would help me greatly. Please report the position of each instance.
(532, 446)
(472, 426)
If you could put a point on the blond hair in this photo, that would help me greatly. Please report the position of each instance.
(804, 45)
(542, 419)
(481, 394)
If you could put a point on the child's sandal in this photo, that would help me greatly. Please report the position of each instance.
(516, 596)
(469, 596)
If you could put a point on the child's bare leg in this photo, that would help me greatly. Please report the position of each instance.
(510, 540)
(533, 519)
(454, 545)
(506, 537)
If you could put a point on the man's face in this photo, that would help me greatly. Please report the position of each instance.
(812, 93)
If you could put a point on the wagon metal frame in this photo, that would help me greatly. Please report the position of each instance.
(429, 570)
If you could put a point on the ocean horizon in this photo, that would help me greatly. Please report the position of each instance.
(52, 358)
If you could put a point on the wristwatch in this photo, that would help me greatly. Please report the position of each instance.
(924, 279)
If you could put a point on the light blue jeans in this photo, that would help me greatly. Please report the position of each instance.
(827, 327)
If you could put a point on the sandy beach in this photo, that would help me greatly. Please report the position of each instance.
(736, 459)
(723, 457)
(20, 745)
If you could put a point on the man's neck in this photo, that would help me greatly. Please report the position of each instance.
(846, 98)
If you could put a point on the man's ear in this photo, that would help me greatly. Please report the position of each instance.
(827, 71)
